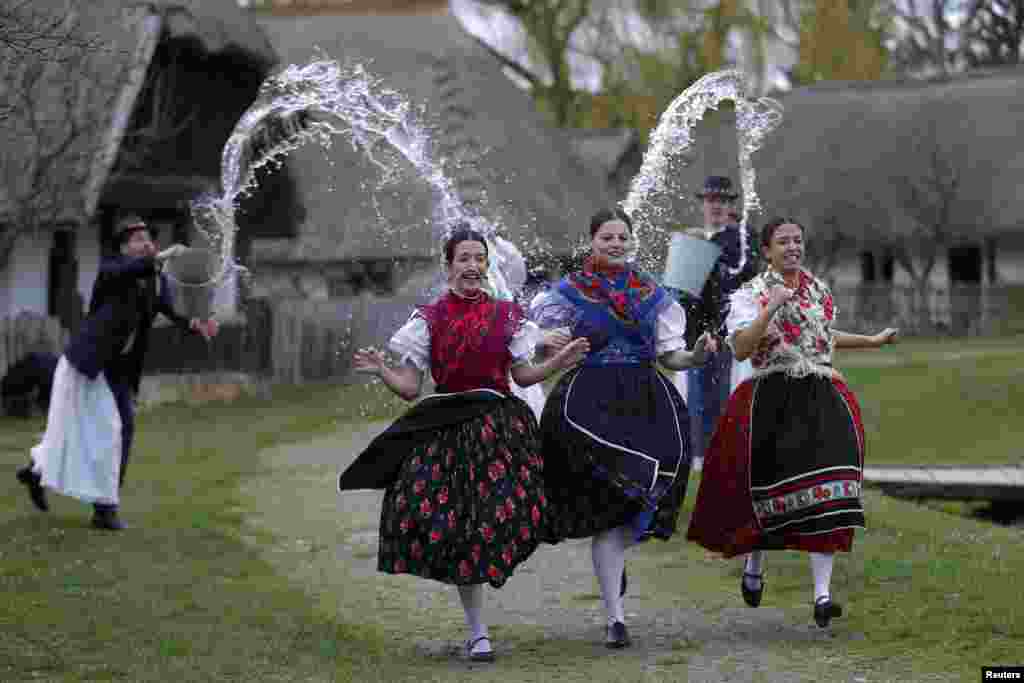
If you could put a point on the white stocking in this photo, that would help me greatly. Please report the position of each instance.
(821, 569)
(609, 554)
(472, 598)
(754, 564)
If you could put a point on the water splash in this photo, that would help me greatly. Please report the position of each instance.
(648, 201)
(320, 102)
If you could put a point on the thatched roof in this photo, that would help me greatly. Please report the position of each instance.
(853, 149)
(103, 99)
(603, 149)
(521, 170)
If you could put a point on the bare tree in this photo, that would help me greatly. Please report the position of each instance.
(26, 32)
(927, 41)
(56, 103)
(550, 26)
(993, 32)
(929, 197)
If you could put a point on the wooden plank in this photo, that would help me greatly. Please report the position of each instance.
(953, 482)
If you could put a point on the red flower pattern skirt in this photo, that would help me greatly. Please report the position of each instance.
(467, 504)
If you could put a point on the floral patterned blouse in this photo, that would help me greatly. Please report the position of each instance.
(799, 339)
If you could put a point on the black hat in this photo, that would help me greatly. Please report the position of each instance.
(717, 185)
(126, 225)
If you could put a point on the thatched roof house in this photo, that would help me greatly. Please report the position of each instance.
(134, 122)
(874, 160)
(504, 160)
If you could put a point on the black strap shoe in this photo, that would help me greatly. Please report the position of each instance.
(35, 487)
(487, 656)
(618, 636)
(825, 611)
(750, 596)
(105, 517)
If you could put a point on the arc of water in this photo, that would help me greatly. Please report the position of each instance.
(673, 137)
(318, 102)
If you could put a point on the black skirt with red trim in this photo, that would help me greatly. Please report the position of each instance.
(784, 469)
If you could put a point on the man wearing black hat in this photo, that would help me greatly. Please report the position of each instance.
(707, 387)
(90, 424)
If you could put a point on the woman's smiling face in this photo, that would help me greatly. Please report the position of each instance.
(610, 243)
(785, 250)
(468, 267)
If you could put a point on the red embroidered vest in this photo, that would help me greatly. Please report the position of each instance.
(469, 342)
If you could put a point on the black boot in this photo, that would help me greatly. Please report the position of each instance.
(105, 517)
(825, 611)
(35, 487)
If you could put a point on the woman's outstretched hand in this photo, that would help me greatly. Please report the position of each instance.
(887, 336)
(556, 339)
(369, 360)
(572, 353)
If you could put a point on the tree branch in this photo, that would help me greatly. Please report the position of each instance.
(519, 69)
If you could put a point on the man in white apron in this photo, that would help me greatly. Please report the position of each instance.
(91, 419)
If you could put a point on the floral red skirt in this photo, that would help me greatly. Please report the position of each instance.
(784, 469)
(466, 504)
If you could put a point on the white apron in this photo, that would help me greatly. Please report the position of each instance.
(80, 454)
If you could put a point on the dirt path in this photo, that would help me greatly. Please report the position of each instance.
(547, 622)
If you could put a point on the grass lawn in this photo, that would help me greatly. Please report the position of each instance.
(179, 596)
(941, 402)
(189, 592)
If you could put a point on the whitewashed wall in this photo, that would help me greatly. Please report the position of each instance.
(24, 282)
(25, 278)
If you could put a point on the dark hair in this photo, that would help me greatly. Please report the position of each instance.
(605, 215)
(127, 226)
(768, 231)
(462, 233)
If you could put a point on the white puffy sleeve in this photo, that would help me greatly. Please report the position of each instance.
(670, 330)
(743, 311)
(412, 342)
(549, 310)
(524, 343)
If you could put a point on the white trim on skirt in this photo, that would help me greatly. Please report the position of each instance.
(80, 453)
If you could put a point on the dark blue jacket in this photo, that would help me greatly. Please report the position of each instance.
(124, 300)
(707, 314)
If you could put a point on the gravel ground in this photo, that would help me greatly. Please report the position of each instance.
(547, 611)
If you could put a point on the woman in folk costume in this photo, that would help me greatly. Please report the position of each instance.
(615, 436)
(784, 469)
(462, 475)
(91, 420)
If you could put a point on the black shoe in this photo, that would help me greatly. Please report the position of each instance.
(35, 487)
(618, 636)
(625, 581)
(105, 517)
(825, 610)
(479, 656)
(750, 596)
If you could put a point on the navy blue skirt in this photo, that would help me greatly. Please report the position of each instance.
(615, 441)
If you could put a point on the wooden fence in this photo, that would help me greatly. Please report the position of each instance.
(935, 311)
(297, 341)
(314, 340)
(290, 341)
